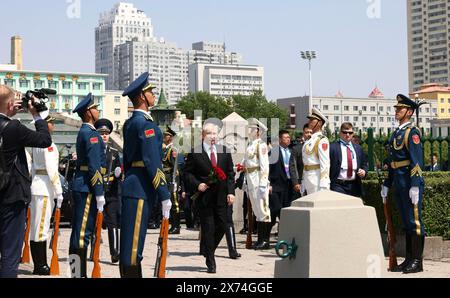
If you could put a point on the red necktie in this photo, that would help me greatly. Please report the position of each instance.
(349, 163)
(213, 157)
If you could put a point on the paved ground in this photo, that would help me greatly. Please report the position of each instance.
(185, 262)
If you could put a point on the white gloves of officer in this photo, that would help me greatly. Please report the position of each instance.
(262, 192)
(117, 172)
(384, 193)
(100, 203)
(414, 195)
(166, 206)
(59, 201)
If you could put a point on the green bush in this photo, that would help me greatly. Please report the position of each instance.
(436, 206)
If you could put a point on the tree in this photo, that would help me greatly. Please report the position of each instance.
(257, 106)
(210, 105)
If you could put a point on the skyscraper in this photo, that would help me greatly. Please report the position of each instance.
(428, 42)
(121, 24)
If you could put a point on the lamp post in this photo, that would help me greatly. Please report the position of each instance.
(309, 55)
(419, 103)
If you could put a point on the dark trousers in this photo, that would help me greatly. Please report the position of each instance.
(112, 212)
(213, 221)
(351, 189)
(12, 233)
(187, 208)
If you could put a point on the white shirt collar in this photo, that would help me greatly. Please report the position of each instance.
(144, 112)
(207, 147)
(90, 125)
(404, 125)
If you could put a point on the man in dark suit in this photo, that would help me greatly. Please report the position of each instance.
(348, 164)
(16, 194)
(214, 199)
(280, 179)
(296, 161)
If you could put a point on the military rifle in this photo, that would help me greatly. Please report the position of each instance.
(96, 272)
(26, 249)
(54, 265)
(249, 241)
(161, 256)
(390, 229)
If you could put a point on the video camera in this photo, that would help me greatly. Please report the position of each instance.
(41, 98)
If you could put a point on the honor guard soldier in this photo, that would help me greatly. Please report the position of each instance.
(315, 154)
(45, 188)
(169, 161)
(256, 164)
(144, 181)
(112, 181)
(88, 192)
(405, 174)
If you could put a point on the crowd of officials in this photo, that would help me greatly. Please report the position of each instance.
(152, 181)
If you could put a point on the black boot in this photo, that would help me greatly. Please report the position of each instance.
(175, 229)
(259, 239)
(416, 264)
(264, 234)
(82, 254)
(39, 255)
(231, 243)
(211, 264)
(408, 256)
(134, 271)
(113, 237)
(92, 240)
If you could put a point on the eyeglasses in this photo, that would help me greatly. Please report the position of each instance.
(347, 132)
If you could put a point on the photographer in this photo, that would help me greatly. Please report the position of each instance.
(16, 193)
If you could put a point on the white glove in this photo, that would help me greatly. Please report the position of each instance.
(100, 203)
(384, 193)
(414, 195)
(262, 192)
(59, 201)
(166, 206)
(117, 172)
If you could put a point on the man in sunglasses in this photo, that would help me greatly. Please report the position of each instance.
(348, 163)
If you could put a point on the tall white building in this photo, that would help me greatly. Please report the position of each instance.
(428, 42)
(122, 23)
(212, 53)
(226, 80)
(166, 63)
(374, 111)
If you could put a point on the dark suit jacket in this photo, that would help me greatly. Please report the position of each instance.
(296, 165)
(277, 174)
(15, 138)
(336, 162)
(197, 169)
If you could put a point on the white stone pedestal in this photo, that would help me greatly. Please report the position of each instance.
(337, 237)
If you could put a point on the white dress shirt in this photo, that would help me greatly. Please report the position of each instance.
(207, 149)
(344, 164)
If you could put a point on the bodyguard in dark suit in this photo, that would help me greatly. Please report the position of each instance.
(347, 164)
(296, 162)
(16, 194)
(280, 178)
(214, 199)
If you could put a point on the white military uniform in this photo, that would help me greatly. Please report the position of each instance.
(256, 162)
(45, 188)
(316, 160)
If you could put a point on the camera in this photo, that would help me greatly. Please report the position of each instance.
(41, 98)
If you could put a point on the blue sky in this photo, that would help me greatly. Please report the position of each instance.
(355, 51)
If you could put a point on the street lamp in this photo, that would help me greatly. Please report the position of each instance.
(309, 55)
(419, 102)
